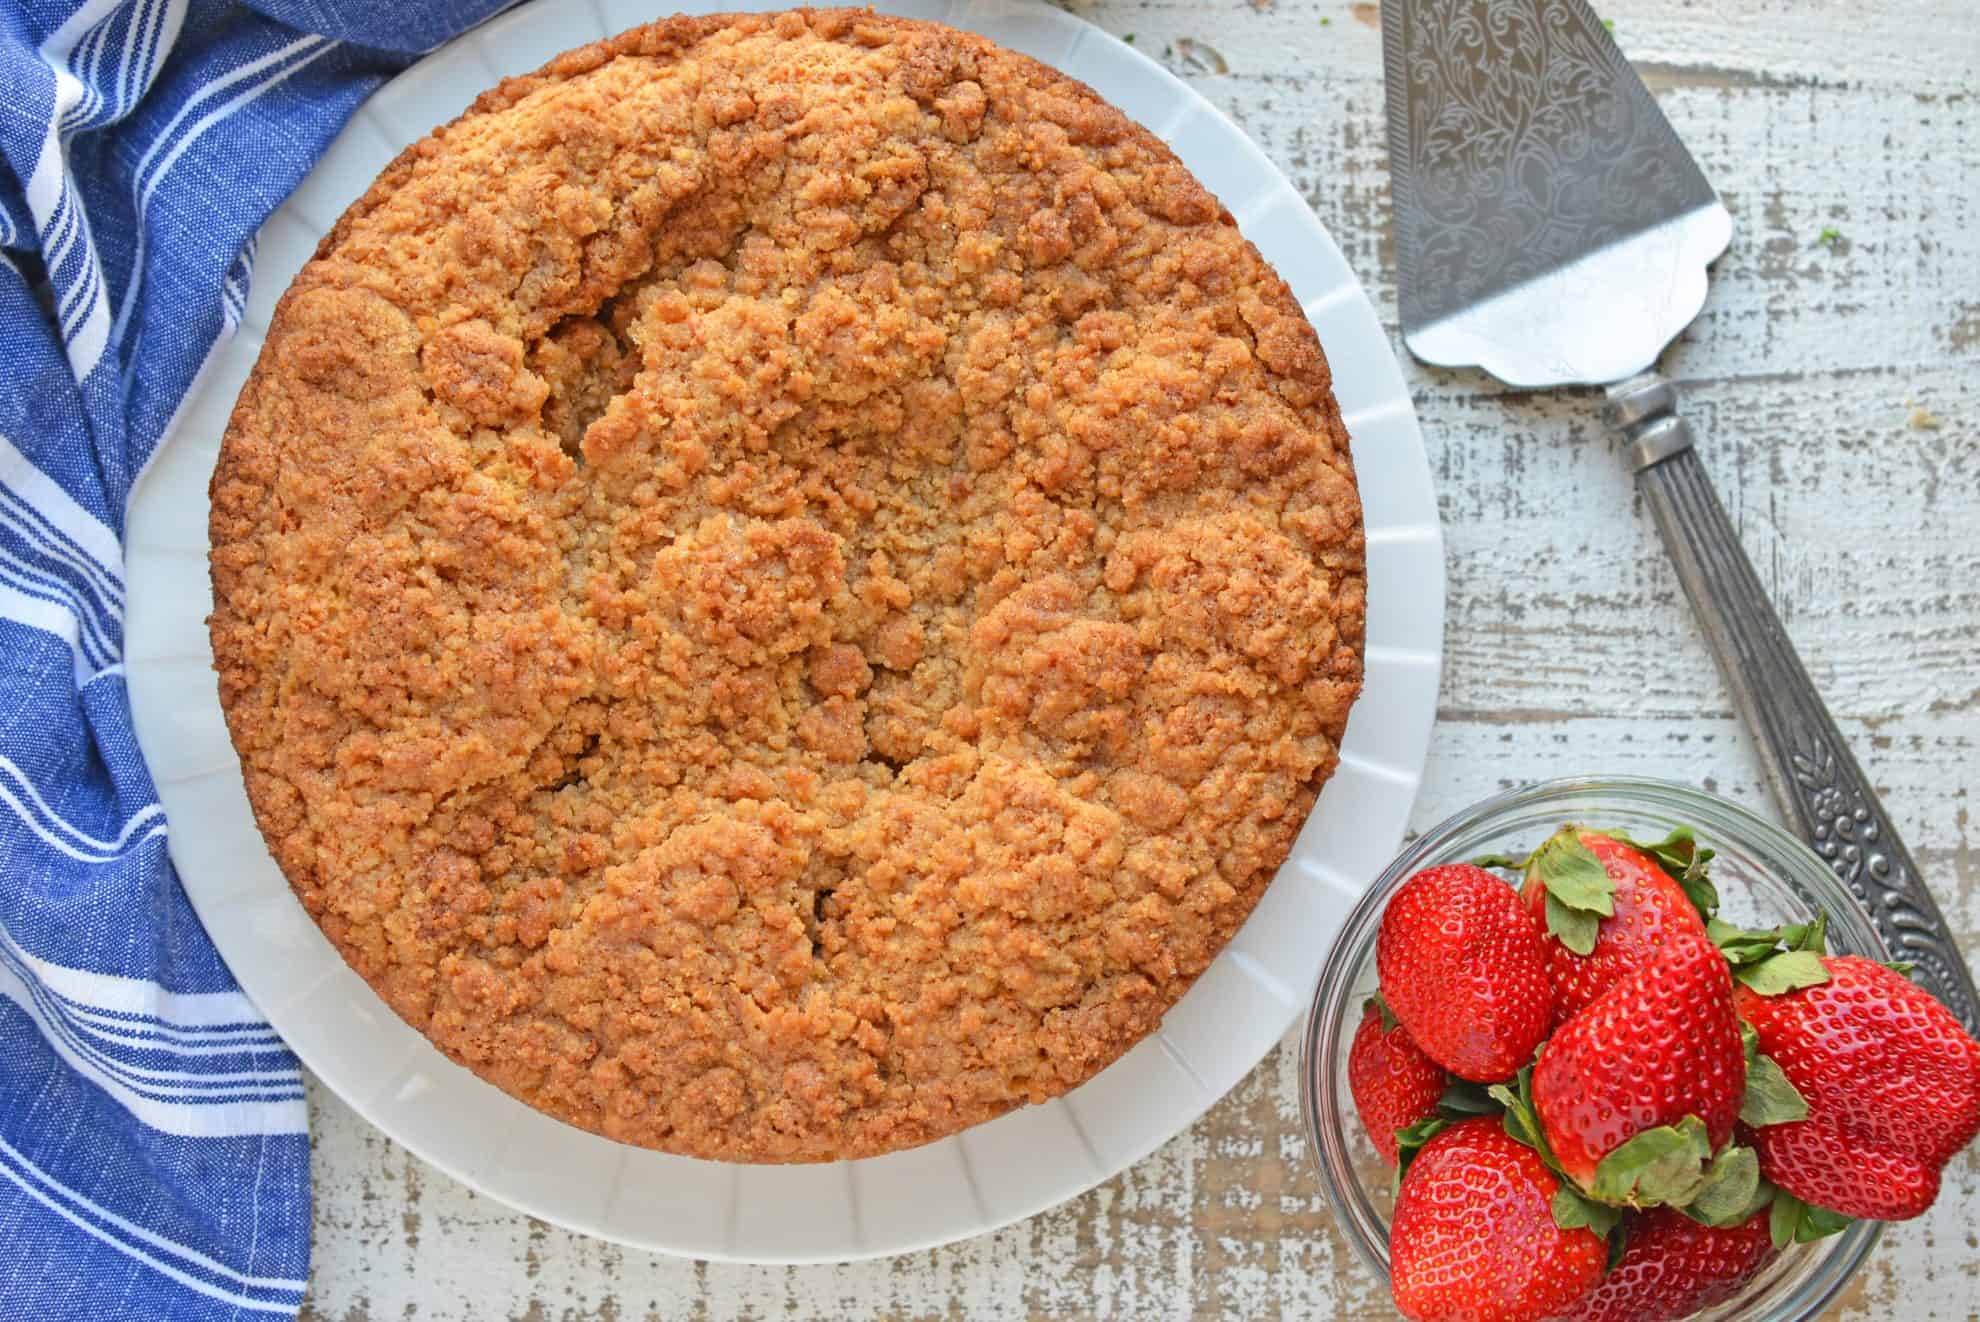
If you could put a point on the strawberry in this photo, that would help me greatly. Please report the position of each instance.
(1672, 1267)
(1637, 1092)
(1474, 1234)
(1394, 1084)
(1462, 967)
(1891, 1081)
(1607, 908)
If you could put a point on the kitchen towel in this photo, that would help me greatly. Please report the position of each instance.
(154, 1147)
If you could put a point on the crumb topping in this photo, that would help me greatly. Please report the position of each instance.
(783, 584)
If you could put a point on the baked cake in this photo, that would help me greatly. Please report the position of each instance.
(783, 584)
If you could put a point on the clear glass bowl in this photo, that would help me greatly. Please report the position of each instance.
(1764, 876)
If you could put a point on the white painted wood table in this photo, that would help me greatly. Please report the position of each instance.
(1835, 379)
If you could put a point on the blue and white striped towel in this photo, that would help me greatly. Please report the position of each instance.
(154, 1150)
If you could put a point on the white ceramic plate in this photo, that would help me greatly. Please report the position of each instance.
(987, 1176)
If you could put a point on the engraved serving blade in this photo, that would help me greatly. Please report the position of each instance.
(1550, 227)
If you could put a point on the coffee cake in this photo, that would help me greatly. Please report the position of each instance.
(783, 584)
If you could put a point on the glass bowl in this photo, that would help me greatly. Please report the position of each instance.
(1764, 876)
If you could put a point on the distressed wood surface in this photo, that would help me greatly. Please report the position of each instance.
(1836, 387)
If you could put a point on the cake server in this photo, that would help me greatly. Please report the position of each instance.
(1551, 229)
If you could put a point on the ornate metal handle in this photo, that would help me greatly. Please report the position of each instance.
(1809, 769)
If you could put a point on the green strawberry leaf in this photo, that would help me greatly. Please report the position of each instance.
(1813, 936)
(1762, 1195)
(1389, 1019)
(1731, 1184)
(1618, 1245)
(1784, 973)
(1572, 874)
(1657, 1166)
(1783, 1217)
(1792, 1221)
(1820, 1223)
(1410, 1140)
(1573, 1212)
(1748, 945)
(1521, 1122)
(1416, 1135)
(1504, 862)
(1686, 861)
(1900, 966)
(1574, 928)
(1462, 1098)
(1771, 1097)
(1704, 896)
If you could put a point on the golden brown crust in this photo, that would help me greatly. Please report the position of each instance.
(783, 584)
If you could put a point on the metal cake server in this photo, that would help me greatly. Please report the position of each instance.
(1551, 229)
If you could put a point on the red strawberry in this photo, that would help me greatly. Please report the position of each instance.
(1647, 913)
(1658, 1047)
(1672, 1267)
(1892, 1084)
(1462, 966)
(1474, 1234)
(1393, 1082)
